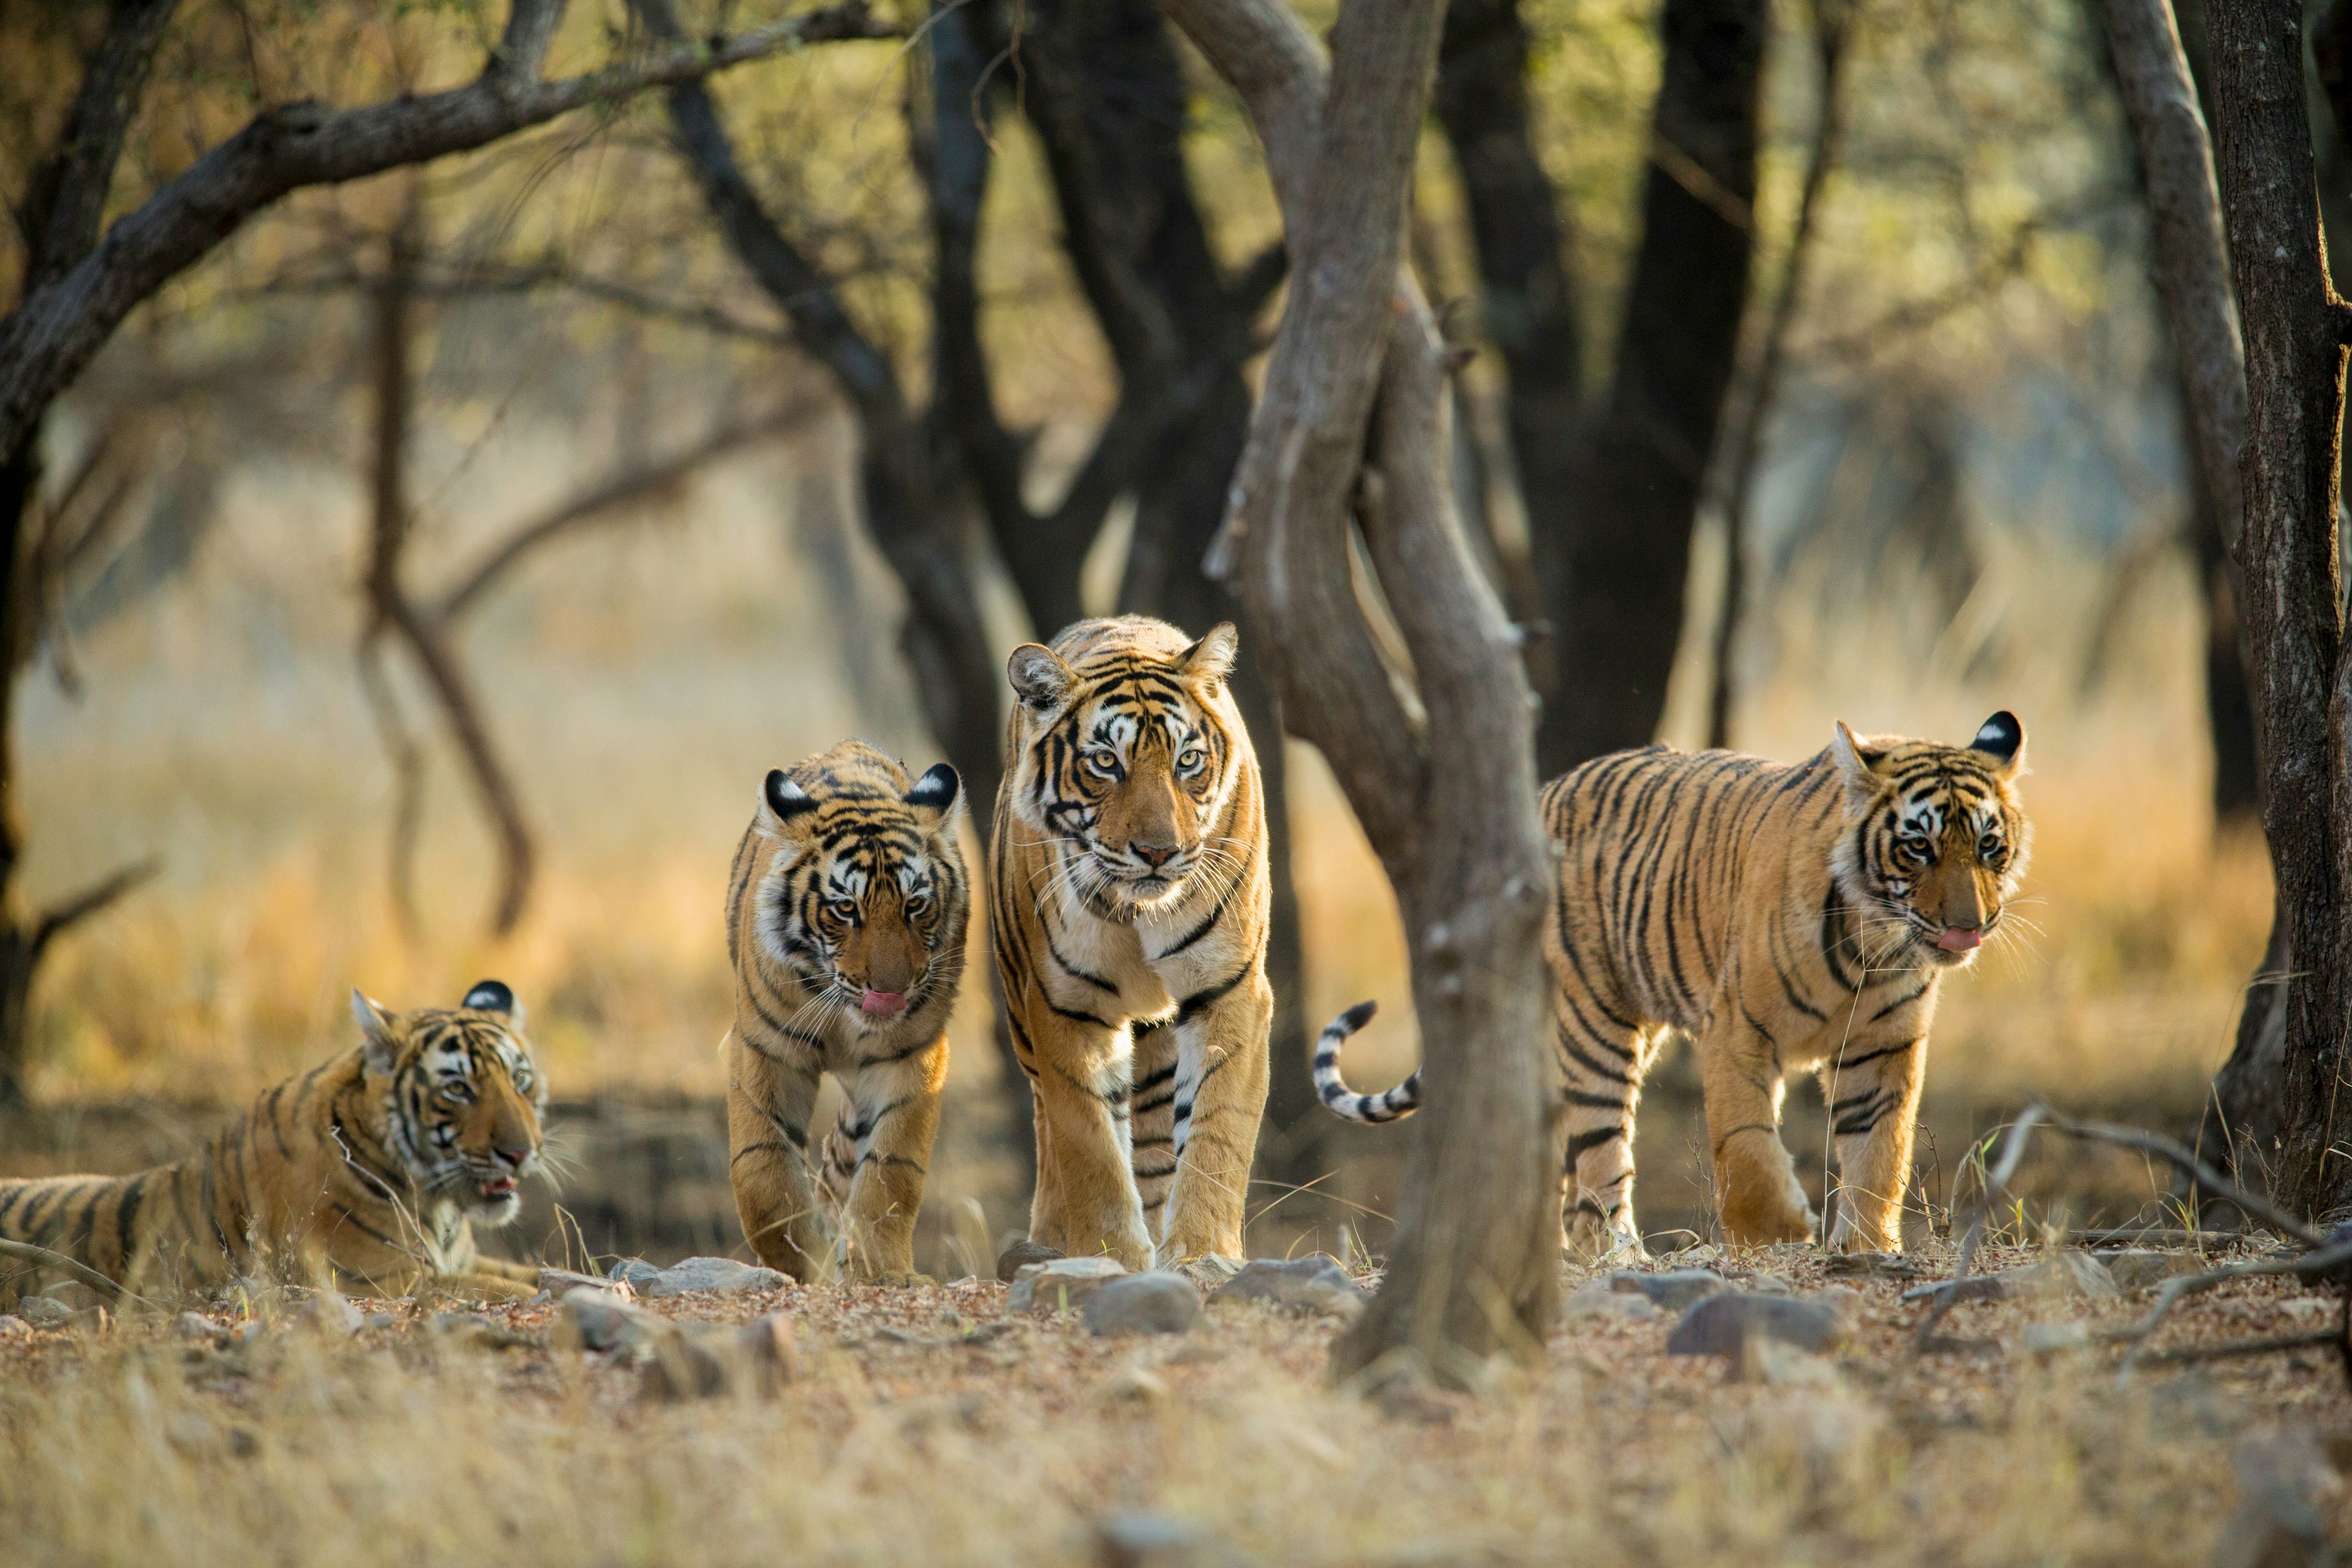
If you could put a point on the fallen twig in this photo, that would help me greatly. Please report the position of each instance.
(33, 1252)
(2267, 1345)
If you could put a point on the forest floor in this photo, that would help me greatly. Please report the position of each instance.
(934, 1426)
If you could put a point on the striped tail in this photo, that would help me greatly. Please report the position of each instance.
(1341, 1100)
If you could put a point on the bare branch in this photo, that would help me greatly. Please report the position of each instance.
(63, 916)
(608, 498)
(47, 340)
(69, 190)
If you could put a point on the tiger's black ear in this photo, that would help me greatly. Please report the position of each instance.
(936, 791)
(1212, 658)
(2003, 739)
(1039, 677)
(490, 997)
(784, 797)
(379, 1033)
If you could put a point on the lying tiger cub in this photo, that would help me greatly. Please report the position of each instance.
(1788, 917)
(368, 1173)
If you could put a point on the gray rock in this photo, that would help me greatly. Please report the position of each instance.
(1155, 1303)
(1014, 1258)
(632, 1271)
(598, 1319)
(556, 1281)
(1061, 1283)
(77, 1297)
(2285, 1486)
(43, 1311)
(703, 1362)
(2065, 1274)
(1312, 1284)
(1158, 1541)
(1209, 1272)
(382, 1321)
(14, 1328)
(1719, 1324)
(194, 1326)
(1671, 1289)
(1871, 1266)
(1598, 1300)
(722, 1274)
(330, 1314)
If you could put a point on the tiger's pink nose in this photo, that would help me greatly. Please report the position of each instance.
(1155, 855)
(883, 1004)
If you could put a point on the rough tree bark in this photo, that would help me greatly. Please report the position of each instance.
(1102, 86)
(2295, 331)
(1474, 1269)
(1614, 551)
(1831, 21)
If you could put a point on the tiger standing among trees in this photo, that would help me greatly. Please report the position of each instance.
(371, 1169)
(847, 914)
(1788, 917)
(1128, 896)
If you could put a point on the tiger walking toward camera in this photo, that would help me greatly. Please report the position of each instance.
(1787, 918)
(1128, 896)
(846, 913)
(368, 1173)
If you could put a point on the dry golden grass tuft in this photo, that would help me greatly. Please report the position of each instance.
(906, 1442)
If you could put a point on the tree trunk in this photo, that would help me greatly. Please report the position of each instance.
(1474, 1267)
(2294, 334)
(1614, 574)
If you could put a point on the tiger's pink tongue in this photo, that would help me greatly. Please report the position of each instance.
(883, 1004)
(1958, 939)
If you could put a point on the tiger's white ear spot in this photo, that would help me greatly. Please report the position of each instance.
(936, 791)
(494, 996)
(379, 1033)
(2003, 739)
(1212, 658)
(785, 800)
(1039, 677)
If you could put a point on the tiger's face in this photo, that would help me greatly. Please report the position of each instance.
(1937, 840)
(463, 1099)
(865, 899)
(1129, 757)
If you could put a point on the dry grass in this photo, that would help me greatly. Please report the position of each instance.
(404, 1446)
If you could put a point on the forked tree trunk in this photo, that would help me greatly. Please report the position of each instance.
(2295, 329)
(1474, 1269)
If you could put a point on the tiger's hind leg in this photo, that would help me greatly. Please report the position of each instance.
(1151, 1122)
(1601, 1063)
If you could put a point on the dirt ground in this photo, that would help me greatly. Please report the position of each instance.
(932, 1425)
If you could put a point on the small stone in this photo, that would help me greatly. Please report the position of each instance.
(682, 1366)
(478, 1330)
(2301, 1307)
(382, 1321)
(1210, 1272)
(2049, 1339)
(1671, 1289)
(632, 1271)
(1131, 1385)
(1155, 1303)
(1061, 1283)
(2145, 1268)
(76, 1296)
(592, 1319)
(1022, 1253)
(330, 1314)
(2066, 1273)
(721, 1274)
(1599, 1301)
(1768, 1285)
(2287, 1490)
(1158, 1540)
(556, 1281)
(193, 1326)
(1312, 1284)
(43, 1311)
(1719, 1324)
(14, 1328)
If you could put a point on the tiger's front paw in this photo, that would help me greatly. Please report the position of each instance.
(899, 1279)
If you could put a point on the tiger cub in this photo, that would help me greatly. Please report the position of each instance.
(1787, 918)
(367, 1173)
(846, 913)
(1128, 897)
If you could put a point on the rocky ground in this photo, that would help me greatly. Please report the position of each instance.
(1774, 1403)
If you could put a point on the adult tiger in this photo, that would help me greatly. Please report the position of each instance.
(1128, 896)
(846, 913)
(369, 1172)
(1787, 918)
